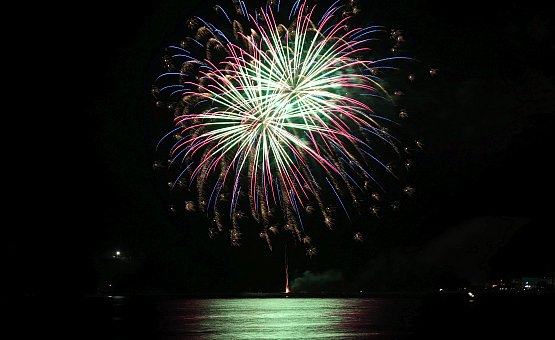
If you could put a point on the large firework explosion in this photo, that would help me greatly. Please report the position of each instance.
(283, 113)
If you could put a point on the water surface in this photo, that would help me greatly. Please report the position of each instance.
(433, 316)
(286, 318)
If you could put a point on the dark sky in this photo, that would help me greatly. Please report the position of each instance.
(484, 183)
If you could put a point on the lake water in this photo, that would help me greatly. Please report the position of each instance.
(430, 317)
(287, 318)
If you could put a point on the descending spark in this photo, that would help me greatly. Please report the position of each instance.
(286, 272)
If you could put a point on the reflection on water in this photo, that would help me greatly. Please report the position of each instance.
(285, 318)
(431, 316)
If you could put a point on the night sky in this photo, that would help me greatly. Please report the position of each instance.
(482, 211)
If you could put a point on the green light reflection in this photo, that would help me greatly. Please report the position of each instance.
(285, 318)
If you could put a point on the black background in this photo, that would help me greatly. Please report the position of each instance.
(91, 190)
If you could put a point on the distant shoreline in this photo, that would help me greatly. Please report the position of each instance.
(416, 294)
(464, 294)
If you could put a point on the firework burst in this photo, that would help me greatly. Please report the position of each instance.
(280, 120)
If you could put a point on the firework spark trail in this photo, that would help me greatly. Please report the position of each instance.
(273, 106)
